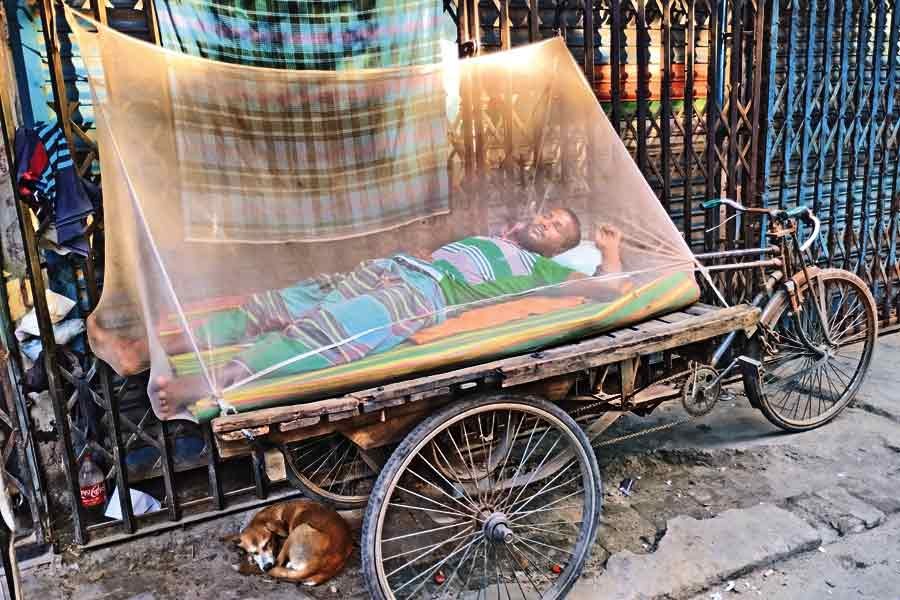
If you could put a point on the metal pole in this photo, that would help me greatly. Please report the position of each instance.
(54, 381)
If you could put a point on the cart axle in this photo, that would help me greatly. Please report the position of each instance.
(496, 529)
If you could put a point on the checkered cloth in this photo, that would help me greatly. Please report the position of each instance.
(298, 158)
(305, 34)
(267, 156)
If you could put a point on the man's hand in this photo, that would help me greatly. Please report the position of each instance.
(608, 239)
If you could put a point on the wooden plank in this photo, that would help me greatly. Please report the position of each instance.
(344, 414)
(586, 355)
(654, 325)
(411, 387)
(236, 436)
(384, 432)
(279, 414)
(700, 309)
(300, 423)
(675, 317)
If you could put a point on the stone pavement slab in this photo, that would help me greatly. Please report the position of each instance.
(864, 566)
(835, 512)
(695, 554)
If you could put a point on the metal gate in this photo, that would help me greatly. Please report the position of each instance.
(769, 102)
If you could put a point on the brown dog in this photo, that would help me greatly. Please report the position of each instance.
(317, 541)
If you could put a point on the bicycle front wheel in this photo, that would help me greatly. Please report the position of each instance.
(802, 388)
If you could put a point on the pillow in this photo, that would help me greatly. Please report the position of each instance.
(584, 258)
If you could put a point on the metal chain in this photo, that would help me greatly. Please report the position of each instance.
(642, 432)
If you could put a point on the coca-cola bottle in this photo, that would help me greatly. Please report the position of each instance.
(93, 488)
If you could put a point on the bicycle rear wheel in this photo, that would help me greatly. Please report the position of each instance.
(801, 389)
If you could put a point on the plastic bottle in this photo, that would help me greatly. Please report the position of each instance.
(92, 484)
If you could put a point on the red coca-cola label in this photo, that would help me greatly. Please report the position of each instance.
(93, 495)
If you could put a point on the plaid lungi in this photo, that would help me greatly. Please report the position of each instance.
(328, 320)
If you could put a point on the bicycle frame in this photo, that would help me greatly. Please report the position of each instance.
(788, 279)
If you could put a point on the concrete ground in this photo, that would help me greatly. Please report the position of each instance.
(723, 507)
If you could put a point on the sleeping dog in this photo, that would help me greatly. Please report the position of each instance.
(316, 541)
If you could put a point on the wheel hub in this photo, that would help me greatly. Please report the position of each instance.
(497, 530)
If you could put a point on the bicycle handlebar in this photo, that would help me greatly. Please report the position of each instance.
(798, 212)
(808, 215)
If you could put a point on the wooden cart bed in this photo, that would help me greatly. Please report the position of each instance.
(408, 399)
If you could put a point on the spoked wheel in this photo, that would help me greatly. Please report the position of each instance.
(331, 469)
(521, 527)
(801, 388)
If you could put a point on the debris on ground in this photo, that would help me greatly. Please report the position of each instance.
(627, 486)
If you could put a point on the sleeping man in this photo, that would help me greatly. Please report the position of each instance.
(335, 319)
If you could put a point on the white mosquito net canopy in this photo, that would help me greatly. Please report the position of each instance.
(277, 236)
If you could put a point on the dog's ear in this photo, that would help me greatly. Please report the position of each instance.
(279, 528)
(234, 539)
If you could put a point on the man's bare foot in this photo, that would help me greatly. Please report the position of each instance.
(127, 356)
(176, 393)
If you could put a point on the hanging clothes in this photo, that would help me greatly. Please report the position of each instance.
(47, 181)
(324, 35)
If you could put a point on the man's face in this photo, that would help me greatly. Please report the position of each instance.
(549, 233)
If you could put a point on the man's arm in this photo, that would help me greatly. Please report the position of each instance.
(604, 285)
(596, 288)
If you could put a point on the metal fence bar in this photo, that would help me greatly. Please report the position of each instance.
(643, 81)
(666, 108)
(889, 141)
(215, 484)
(837, 165)
(825, 139)
(112, 406)
(734, 104)
(588, 24)
(712, 120)
(760, 126)
(892, 308)
(29, 458)
(809, 88)
(615, 63)
(873, 109)
(168, 472)
(534, 21)
(862, 42)
(260, 482)
(790, 99)
(687, 197)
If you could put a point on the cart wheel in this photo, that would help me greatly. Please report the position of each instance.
(523, 528)
(331, 469)
(800, 390)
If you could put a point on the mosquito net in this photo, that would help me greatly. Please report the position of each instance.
(276, 235)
